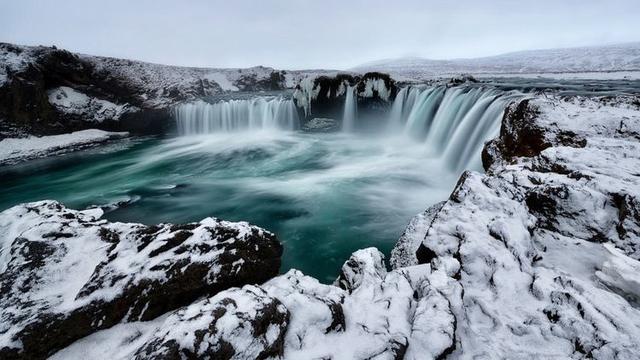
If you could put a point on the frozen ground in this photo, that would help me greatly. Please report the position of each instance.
(602, 62)
(13, 150)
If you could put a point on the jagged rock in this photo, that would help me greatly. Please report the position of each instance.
(370, 319)
(379, 314)
(235, 324)
(363, 265)
(65, 274)
(40, 84)
(405, 252)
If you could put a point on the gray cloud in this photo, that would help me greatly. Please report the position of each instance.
(313, 34)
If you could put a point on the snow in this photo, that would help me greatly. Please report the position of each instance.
(157, 82)
(306, 93)
(118, 342)
(596, 62)
(12, 59)
(222, 80)
(13, 150)
(70, 101)
(375, 85)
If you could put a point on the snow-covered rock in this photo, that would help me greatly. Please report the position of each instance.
(324, 96)
(544, 247)
(235, 324)
(65, 274)
(14, 150)
(73, 102)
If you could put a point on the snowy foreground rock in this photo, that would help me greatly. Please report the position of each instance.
(537, 258)
(65, 274)
(540, 256)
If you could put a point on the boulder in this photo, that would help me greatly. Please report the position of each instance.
(243, 323)
(65, 274)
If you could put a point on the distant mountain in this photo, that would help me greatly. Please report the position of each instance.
(621, 57)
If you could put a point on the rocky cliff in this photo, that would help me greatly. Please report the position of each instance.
(324, 97)
(45, 90)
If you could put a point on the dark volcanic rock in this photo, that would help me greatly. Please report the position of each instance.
(522, 136)
(519, 135)
(27, 92)
(324, 96)
(66, 274)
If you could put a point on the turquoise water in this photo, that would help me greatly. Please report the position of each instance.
(324, 195)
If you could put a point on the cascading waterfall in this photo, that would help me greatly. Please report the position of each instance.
(453, 122)
(350, 111)
(232, 115)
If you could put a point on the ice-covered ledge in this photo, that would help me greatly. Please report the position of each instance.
(15, 150)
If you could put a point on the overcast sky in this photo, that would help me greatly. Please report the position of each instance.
(293, 34)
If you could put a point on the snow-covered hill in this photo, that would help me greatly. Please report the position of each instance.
(622, 57)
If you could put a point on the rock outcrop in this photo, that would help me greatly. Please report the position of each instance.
(540, 255)
(324, 96)
(65, 274)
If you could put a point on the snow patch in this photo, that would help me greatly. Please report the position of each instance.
(13, 150)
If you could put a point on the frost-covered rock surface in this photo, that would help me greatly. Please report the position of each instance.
(65, 274)
(541, 253)
(14, 150)
(370, 315)
(241, 323)
(73, 102)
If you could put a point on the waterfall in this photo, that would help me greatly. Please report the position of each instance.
(233, 115)
(350, 111)
(452, 122)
